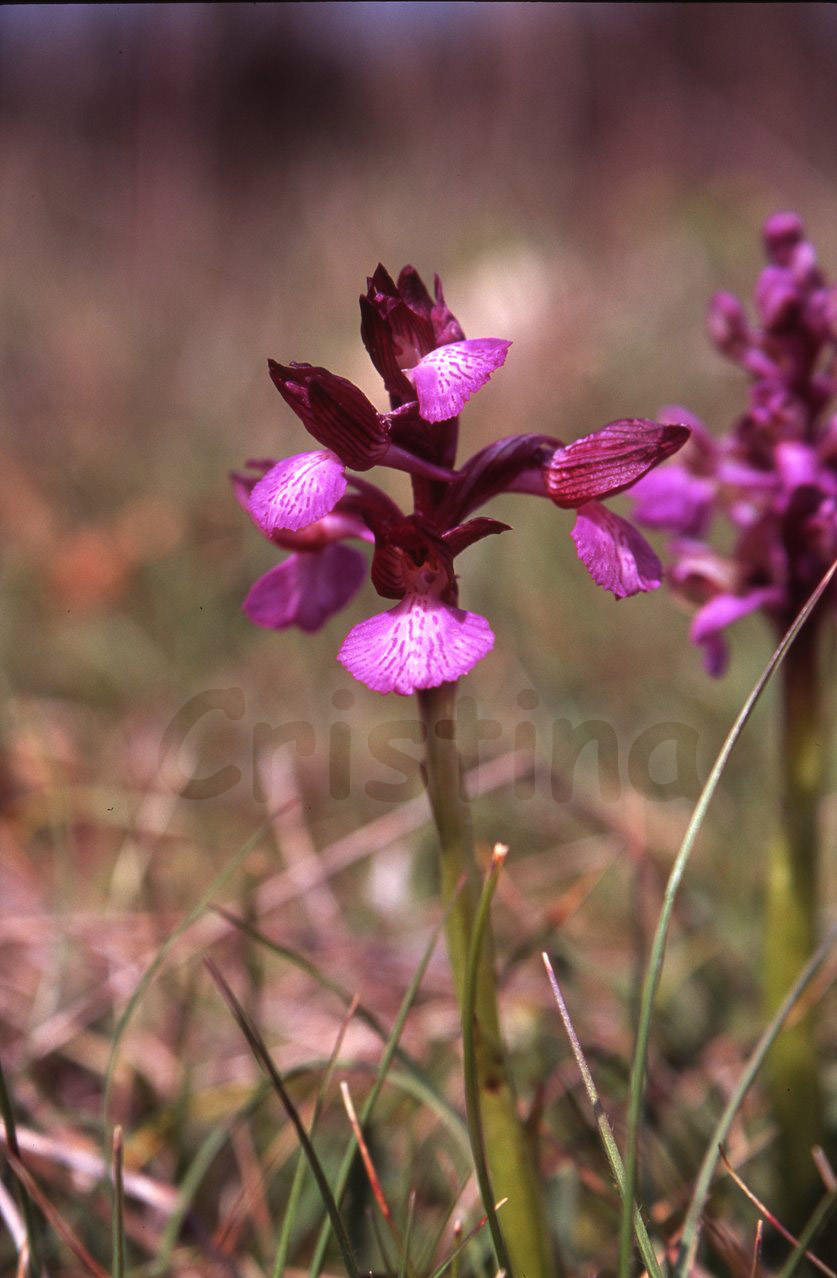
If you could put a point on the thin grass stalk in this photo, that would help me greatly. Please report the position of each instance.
(773, 1220)
(404, 1263)
(55, 1220)
(413, 1086)
(387, 1258)
(283, 1245)
(691, 1224)
(510, 1161)
(190, 1180)
(198, 909)
(470, 1031)
(454, 1267)
(118, 1205)
(369, 1166)
(655, 961)
(13, 1221)
(259, 1050)
(606, 1136)
(368, 1105)
(755, 1267)
(425, 1088)
(25, 1201)
(791, 926)
(818, 1218)
(433, 1244)
(452, 1260)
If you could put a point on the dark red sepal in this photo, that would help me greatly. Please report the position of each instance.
(459, 539)
(494, 469)
(609, 460)
(334, 411)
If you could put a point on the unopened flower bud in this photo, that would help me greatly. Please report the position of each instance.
(727, 325)
(782, 232)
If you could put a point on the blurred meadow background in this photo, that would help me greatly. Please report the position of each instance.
(186, 191)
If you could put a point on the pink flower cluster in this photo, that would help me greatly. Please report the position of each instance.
(774, 475)
(313, 503)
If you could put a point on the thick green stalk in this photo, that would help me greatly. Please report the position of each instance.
(791, 925)
(510, 1160)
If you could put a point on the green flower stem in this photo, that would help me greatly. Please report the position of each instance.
(791, 925)
(511, 1164)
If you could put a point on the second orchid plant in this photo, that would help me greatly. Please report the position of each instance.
(313, 503)
(772, 479)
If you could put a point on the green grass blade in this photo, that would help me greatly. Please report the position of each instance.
(118, 1206)
(192, 1177)
(469, 1055)
(408, 1232)
(294, 1196)
(202, 905)
(433, 1244)
(55, 1220)
(370, 1101)
(690, 1234)
(818, 1218)
(262, 1055)
(655, 961)
(445, 1112)
(445, 1264)
(605, 1131)
(363, 1013)
(27, 1205)
(387, 1258)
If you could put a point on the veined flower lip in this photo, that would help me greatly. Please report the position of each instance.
(420, 643)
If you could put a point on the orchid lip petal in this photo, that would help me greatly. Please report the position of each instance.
(614, 553)
(420, 643)
(298, 491)
(447, 377)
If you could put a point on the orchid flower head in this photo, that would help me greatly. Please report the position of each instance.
(313, 502)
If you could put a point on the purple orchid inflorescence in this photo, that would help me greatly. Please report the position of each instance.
(774, 475)
(312, 503)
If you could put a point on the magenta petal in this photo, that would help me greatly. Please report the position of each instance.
(447, 377)
(777, 295)
(721, 612)
(306, 589)
(418, 644)
(298, 491)
(614, 553)
(673, 498)
(797, 464)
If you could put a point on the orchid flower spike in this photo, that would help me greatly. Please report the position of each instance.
(773, 476)
(313, 502)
